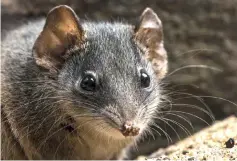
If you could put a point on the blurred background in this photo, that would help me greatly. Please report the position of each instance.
(201, 40)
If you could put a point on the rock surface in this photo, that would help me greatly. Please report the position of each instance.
(208, 144)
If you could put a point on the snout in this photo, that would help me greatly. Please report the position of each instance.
(125, 123)
(129, 128)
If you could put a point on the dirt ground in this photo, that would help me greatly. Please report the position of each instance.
(201, 40)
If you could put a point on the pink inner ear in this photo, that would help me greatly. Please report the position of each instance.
(61, 32)
(150, 24)
(149, 19)
(150, 38)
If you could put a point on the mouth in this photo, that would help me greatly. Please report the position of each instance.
(118, 128)
(128, 128)
(69, 125)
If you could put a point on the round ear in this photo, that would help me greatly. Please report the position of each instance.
(61, 32)
(149, 35)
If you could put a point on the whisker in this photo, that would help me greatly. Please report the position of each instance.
(195, 66)
(219, 99)
(180, 125)
(170, 127)
(196, 97)
(188, 114)
(199, 108)
(166, 134)
(196, 51)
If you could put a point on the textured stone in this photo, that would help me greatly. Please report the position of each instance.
(208, 144)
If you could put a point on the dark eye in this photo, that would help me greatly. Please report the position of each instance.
(145, 79)
(88, 83)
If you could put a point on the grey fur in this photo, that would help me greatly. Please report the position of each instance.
(30, 94)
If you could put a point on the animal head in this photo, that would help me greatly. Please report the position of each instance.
(111, 71)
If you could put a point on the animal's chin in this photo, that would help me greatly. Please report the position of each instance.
(121, 127)
(115, 131)
(100, 127)
(127, 129)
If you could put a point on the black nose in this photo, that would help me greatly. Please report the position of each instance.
(130, 129)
